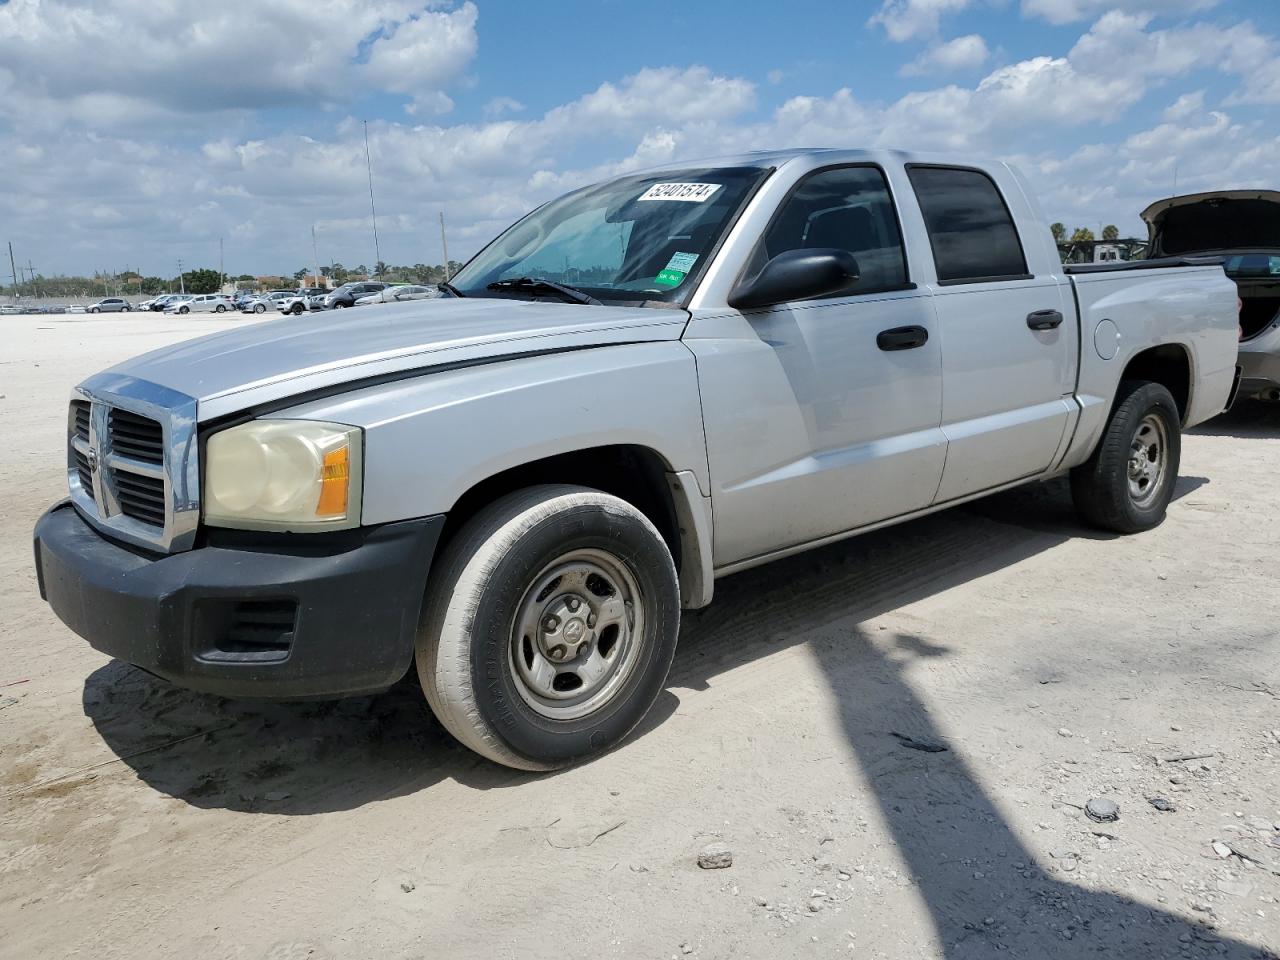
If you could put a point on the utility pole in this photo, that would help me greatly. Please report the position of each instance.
(182, 284)
(445, 246)
(31, 272)
(13, 271)
(222, 273)
(373, 211)
(315, 257)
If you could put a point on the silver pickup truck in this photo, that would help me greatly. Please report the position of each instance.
(638, 388)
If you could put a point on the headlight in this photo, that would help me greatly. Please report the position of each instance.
(283, 475)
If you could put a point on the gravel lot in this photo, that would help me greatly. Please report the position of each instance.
(1039, 665)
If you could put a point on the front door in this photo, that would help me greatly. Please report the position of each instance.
(816, 423)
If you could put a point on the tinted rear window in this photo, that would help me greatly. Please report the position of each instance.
(970, 228)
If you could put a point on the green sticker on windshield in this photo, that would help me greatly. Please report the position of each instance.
(670, 278)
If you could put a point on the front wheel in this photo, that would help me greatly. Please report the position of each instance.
(94, 310)
(1127, 484)
(259, 308)
(549, 627)
(339, 305)
(296, 309)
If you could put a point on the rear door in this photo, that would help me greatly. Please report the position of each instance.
(1008, 334)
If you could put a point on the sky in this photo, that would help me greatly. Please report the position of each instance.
(137, 132)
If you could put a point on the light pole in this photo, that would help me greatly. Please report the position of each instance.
(373, 211)
(182, 284)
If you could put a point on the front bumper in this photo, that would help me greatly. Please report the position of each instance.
(248, 615)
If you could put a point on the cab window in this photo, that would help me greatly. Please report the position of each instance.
(844, 208)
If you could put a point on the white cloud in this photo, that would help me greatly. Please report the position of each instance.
(500, 106)
(910, 19)
(135, 61)
(962, 53)
(1186, 106)
(1071, 11)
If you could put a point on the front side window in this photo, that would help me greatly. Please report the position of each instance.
(846, 208)
(634, 240)
(970, 228)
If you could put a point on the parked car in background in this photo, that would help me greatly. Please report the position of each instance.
(265, 301)
(76, 308)
(347, 294)
(400, 292)
(201, 303)
(10, 310)
(308, 298)
(1243, 228)
(110, 305)
(513, 491)
(162, 301)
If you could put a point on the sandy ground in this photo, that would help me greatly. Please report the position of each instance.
(1055, 665)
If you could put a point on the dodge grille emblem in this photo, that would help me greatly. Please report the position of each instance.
(92, 457)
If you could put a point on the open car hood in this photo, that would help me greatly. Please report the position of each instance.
(1219, 221)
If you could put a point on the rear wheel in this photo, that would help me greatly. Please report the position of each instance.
(549, 627)
(220, 308)
(184, 309)
(259, 308)
(296, 309)
(1127, 484)
(339, 305)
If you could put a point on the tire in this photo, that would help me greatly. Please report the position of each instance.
(94, 310)
(1126, 485)
(184, 309)
(482, 592)
(259, 308)
(296, 310)
(219, 309)
(339, 305)
(124, 309)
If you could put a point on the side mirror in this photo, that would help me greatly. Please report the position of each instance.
(797, 275)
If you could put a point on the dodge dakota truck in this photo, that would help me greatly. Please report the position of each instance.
(1243, 228)
(648, 384)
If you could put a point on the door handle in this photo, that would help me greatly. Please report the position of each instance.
(1044, 319)
(902, 338)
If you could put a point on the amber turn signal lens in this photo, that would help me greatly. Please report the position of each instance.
(335, 478)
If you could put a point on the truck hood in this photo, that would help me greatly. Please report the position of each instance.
(1221, 221)
(264, 363)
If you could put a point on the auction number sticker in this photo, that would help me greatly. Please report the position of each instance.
(688, 192)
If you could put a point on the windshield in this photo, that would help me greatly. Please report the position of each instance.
(634, 239)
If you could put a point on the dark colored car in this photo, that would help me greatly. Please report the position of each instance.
(347, 294)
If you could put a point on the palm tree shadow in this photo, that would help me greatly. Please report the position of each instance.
(985, 891)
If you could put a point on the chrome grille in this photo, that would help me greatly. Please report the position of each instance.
(132, 466)
(134, 436)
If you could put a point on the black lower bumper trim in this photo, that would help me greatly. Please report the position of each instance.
(288, 617)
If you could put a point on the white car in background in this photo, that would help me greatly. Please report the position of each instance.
(200, 303)
(267, 301)
(401, 292)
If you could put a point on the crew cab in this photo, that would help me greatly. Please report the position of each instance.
(641, 387)
(1243, 228)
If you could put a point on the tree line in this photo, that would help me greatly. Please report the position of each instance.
(1082, 234)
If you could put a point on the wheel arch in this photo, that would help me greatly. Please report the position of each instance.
(1169, 365)
(640, 475)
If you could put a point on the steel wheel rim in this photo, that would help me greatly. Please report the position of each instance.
(1148, 459)
(576, 634)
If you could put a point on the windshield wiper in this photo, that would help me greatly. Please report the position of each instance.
(540, 284)
(450, 289)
